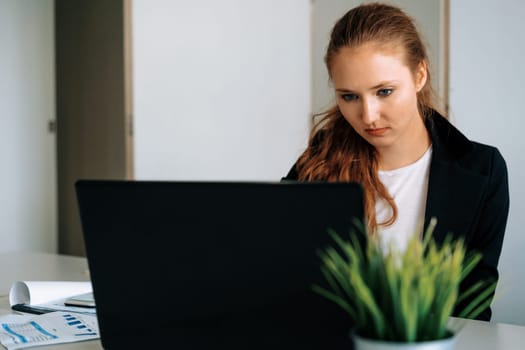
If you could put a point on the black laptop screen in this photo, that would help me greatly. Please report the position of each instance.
(213, 260)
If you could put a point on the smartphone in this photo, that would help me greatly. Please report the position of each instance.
(82, 300)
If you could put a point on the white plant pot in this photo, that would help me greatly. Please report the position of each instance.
(371, 344)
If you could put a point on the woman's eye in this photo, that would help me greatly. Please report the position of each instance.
(349, 97)
(384, 92)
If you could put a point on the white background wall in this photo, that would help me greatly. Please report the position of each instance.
(27, 149)
(221, 88)
(487, 74)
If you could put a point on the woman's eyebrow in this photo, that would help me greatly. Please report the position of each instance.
(377, 86)
(344, 90)
(384, 83)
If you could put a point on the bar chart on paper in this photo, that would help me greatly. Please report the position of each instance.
(21, 331)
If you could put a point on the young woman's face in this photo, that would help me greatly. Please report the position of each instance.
(376, 93)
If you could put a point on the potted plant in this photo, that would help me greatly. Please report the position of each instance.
(401, 299)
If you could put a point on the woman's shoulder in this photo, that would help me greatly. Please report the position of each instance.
(451, 144)
(488, 155)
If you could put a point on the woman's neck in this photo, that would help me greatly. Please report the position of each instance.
(407, 151)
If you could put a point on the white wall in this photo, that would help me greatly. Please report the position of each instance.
(221, 88)
(486, 99)
(27, 150)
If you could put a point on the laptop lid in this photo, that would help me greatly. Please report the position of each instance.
(197, 264)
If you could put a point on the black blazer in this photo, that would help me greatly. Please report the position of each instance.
(468, 194)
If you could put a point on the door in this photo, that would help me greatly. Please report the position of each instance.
(93, 106)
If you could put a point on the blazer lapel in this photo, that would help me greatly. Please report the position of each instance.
(454, 192)
(453, 198)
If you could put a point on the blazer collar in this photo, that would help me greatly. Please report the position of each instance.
(448, 143)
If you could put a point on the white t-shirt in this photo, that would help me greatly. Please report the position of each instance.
(408, 186)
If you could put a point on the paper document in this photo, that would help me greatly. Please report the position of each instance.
(47, 296)
(24, 331)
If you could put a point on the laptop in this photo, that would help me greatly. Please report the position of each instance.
(197, 265)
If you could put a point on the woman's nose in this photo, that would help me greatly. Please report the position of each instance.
(369, 111)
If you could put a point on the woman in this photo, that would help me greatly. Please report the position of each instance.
(386, 133)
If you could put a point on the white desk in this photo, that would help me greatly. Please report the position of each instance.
(477, 335)
(480, 335)
(45, 267)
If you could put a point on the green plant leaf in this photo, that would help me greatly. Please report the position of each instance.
(480, 300)
(471, 261)
(473, 289)
(335, 298)
(401, 295)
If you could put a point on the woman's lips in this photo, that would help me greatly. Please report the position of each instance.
(376, 131)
